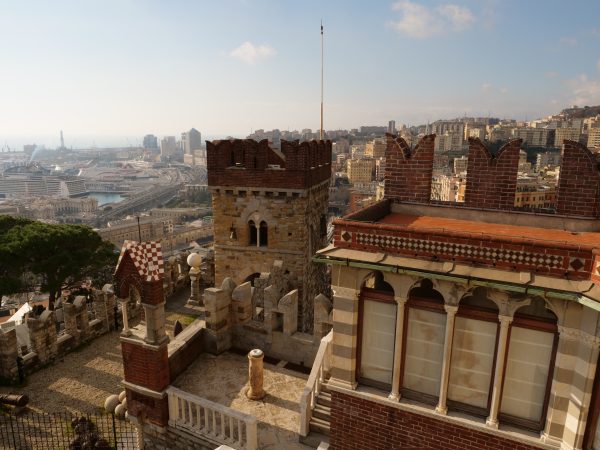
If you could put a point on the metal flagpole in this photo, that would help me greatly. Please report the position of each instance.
(321, 133)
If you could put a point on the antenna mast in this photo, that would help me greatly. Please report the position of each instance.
(321, 133)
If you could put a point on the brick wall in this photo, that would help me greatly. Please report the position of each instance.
(579, 184)
(153, 410)
(243, 163)
(408, 172)
(492, 179)
(145, 366)
(360, 424)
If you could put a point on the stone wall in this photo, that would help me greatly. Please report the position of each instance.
(231, 323)
(156, 438)
(296, 231)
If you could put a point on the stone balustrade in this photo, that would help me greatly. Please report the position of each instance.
(212, 421)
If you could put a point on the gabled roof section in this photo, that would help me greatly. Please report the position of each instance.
(146, 257)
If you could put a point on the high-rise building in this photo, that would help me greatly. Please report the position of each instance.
(190, 141)
(392, 127)
(593, 140)
(361, 170)
(168, 146)
(535, 137)
(571, 134)
(150, 141)
(375, 148)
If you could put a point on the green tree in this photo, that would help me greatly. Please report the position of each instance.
(11, 257)
(59, 255)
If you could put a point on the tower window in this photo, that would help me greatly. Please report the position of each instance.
(264, 234)
(252, 233)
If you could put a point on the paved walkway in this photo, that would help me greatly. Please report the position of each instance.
(224, 379)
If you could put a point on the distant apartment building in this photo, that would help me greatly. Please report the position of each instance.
(440, 127)
(499, 133)
(341, 146)
(371, 129)
(361, 170)
(478, 130)
(460, 164)
(535, 137)
(441, 162)
(450, 140)
(168, 146)
(532, 195)
(149, 229)
(593, 140)
(150, 141)
(375, 148)
(379, 169)
(571, 134)
(357, 151)
(547, 159)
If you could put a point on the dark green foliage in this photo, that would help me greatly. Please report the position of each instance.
(56, 255)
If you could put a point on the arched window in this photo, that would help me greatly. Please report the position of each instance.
(252, 235)
(473, 350)
(529, 365)
(263, 240)
(377, 332)
(425, 325)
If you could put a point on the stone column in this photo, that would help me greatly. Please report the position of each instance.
(194, 260)
(345, 336)
(400, 304)
(441, 407)
(218, 319)
(126, 331)
(256, 374)
(492, 420)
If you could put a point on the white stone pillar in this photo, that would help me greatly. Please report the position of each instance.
(400, 304)
(492, 420)
(451, 310)
(126, 331)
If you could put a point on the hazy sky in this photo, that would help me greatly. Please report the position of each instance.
(131, 67)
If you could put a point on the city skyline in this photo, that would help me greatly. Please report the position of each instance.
(128, 69)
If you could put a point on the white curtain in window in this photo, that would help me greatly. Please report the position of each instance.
(529, 355)
(472, 361)
(378, 333)
(424, 351)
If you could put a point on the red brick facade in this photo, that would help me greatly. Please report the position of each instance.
(245, 163)
(358, 424)
(492, 179)
(408, 172)
(154, 410)
(145, 366)
(579, 184)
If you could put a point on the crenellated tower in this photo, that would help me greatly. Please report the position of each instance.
(270, 205)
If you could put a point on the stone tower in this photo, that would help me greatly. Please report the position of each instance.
(270, 205)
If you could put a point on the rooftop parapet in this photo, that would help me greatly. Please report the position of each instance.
(248, 163)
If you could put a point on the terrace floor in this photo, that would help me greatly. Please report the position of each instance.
(224, 379)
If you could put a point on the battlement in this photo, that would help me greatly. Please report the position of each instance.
(248, 163)
(491, 178)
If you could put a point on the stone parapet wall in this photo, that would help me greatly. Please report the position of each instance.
(492, 178)
(171, 439)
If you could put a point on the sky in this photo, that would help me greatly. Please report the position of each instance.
(115, 70)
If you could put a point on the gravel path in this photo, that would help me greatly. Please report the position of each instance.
(79, 382)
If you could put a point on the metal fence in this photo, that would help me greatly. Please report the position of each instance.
(34, 431)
